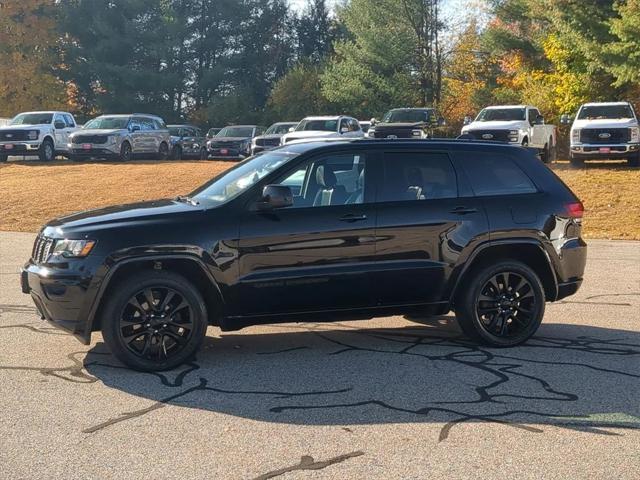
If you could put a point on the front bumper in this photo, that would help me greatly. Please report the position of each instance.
(594, 151)
(95, 150)
(59, 297)
(230, 153)
(19, 148)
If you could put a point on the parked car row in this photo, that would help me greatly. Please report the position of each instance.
(600, 130)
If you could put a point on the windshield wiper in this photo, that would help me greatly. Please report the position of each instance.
(187, 199)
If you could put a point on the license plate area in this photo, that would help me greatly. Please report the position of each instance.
(86, 146)
(224, 151)
(8, 146)
(605, 150)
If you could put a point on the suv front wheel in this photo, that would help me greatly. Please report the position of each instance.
(155, 320)
(501, 305)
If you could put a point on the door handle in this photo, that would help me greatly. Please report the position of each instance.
(463, 210)
(352, 218)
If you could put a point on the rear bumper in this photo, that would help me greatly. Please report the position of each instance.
(569, 288)
(572, 263)
(59, 298)
(232, 154)
(101, 151)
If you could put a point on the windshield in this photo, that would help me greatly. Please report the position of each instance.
(321, 125)
(407, 116)
(108, 123)
(32, 119)
(238, 179)
(236, 132)
(279, 128)
(605, 111)
(490, 114)
(174, 131)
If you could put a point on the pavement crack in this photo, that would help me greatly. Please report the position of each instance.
(308, 463)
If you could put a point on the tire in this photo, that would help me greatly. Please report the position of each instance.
(576, 161)
(204, 154)
(47, 152)
(525, 142)
(75, 158)
(553, 151)
(176, 153)
(126, 153)
(181, 335)
(163, 151)
(3, 158)
(544, 154)
(634, 161)
(506, 322)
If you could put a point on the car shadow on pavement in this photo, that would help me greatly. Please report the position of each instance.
(570, 376)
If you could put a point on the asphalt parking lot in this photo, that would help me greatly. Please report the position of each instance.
(386, 398)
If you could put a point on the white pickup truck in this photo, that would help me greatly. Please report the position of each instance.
(45, 134)
(607, 130)
(517, 124)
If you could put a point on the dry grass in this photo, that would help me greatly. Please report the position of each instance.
(33, 193)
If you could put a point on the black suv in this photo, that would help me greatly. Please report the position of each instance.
(406, 123)
(333, 229)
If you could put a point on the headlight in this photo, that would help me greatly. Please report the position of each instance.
(73, 248)
(416, 133)
(33, 134)
(575, 135)
(253, 143)
(111, 139)
(634, 134)
(513, 135)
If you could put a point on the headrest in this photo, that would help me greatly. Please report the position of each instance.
(414, 177)
(325, 176)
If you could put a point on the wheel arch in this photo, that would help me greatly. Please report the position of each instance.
(189, 267)
(529, 252)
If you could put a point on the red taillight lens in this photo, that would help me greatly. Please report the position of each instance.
(575, 210)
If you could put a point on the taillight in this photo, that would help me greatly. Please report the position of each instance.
(575, 210)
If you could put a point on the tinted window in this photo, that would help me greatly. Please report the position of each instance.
(69, 120)
(507, 114)
(334, 179)
(494, 174)
(594, 112)
(418, 176)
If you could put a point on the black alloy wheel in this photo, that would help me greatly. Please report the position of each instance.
(125, 152)
(156, 323)
(155, 320)
(506, 304)
(501, 305)
(163, 152)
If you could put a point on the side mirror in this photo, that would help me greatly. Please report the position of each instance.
(135, 128)
(539, 120)
(467, 120)
(565, 119)
(275, 196)
(373, 121)
(344, 130)
(292, 129)
(59, 125)
(441, 122)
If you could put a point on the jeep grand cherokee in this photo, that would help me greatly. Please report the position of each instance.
(341, 229)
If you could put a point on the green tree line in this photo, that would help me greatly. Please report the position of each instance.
(215, 62)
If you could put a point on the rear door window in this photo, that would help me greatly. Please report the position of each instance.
(418, 176)
(495, 174)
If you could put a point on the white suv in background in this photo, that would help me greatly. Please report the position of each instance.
(605, 130)
(311, 128)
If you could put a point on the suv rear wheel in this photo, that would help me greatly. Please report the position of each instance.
(155, 320)
(502, 305)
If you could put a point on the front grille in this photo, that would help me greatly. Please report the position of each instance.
(496, 135)
(605, 136)
(96, 139)
(229, 145)
(268, 142)
(42, 248)
(393, 132)
(13, 135)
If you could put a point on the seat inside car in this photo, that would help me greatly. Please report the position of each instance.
(329, 192)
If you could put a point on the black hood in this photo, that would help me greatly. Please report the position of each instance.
(134, 214)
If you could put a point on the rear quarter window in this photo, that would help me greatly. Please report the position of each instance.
(495, 174)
